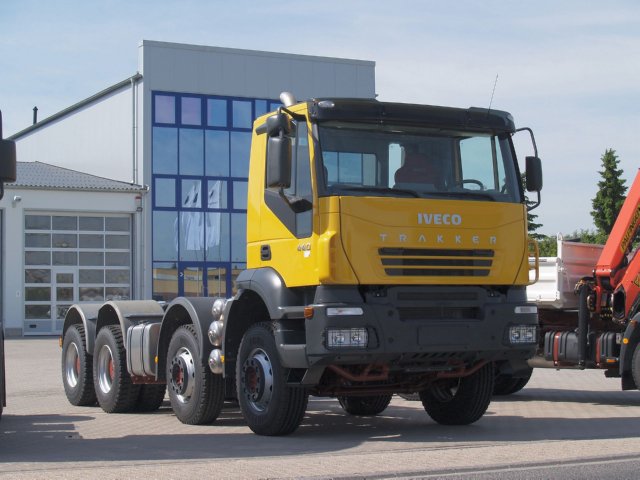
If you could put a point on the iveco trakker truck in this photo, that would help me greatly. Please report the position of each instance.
(387, 252)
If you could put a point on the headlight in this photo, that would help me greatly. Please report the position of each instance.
(347, 338)
(519, 334)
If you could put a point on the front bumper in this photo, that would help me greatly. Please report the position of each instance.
(417, 328)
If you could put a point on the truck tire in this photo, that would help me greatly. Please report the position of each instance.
(412, 397)
(3, 392)
(114, 390)
(269, 406)
(506, 384)
(364, 406)
(196, 394)
(460, 401)
(150, 397)
(635, 366)
(77, 368)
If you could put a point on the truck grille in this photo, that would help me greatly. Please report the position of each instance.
(439, 313)
(432, 262)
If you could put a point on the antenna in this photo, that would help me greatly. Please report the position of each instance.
(492, 93)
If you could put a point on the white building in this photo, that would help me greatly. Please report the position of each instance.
(177, 136)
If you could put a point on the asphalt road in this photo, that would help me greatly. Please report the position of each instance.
(566, 424)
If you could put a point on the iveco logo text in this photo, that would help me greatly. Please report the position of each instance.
(439, 219)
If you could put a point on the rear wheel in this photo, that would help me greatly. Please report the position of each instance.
(112, 382)
(77, 368)
(196, 394)
(507, 384)
(150, 397)
(269, 406)
(460, 401)
(365, 406)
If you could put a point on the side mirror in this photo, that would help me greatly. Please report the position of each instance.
(534, 174)
(279, 162)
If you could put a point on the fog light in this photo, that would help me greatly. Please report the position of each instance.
(215, 333)
(347, 338)
(522, 334)
(218, 308)
(335, 311)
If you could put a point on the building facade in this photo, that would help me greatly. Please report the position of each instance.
(181, 127)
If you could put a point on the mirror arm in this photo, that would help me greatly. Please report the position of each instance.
(297, 204)
(535, 205)
(533, 139)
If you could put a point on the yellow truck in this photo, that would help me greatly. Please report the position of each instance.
(387, 252)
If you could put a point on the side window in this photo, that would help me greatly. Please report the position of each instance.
(301, 179)
(479, 162)
(300, 168)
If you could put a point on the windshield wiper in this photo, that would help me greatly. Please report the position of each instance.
(466, 194)
(365, 188)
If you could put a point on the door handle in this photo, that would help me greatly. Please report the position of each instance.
(265, 252)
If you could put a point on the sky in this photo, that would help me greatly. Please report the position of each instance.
(569, 70)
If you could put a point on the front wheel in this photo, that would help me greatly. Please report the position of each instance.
(269, 406)
(196, 394)
(460, 401)
(365, 406)
(77, 368)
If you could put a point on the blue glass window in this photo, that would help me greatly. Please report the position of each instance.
(165, 236)
(217, 194)
(165, 107)
(191, 236)
(238, 237)
(165, 150)
(216, 149)
(240, 149)
(165, 192)
(217, 229)
(191, 194)
(191, 111)
(200, 188)
(261, 108)
(216, 112)
(240, 195)
(242, 114)
(191, 152)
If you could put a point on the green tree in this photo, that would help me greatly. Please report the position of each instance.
(548, 246)
(532, 225)
(611, 193)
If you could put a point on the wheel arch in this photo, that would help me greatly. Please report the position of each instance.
(128, 313)
(183, 311)
(246, 309)
(86, 315)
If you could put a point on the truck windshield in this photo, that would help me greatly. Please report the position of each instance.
(376, 160)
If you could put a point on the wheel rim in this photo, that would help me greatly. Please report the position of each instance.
(257, 379)
(106, 370)
(445, 391)
(183, 375)
(72, 365)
